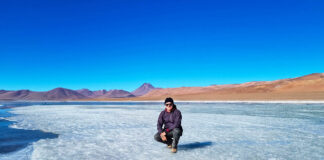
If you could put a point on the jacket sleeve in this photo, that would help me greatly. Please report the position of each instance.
(160, 123)
(177, 121)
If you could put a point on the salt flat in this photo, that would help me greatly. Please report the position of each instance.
(211, 131)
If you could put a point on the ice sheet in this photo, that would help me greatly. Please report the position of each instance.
(211, 131)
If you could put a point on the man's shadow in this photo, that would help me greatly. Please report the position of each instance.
(195, 145)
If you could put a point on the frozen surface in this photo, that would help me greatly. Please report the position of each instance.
(211, 131)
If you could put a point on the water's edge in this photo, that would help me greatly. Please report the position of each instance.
(14, 139)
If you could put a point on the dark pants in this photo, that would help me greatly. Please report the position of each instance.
(175, 134)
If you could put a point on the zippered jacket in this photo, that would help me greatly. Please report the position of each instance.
(170, 120)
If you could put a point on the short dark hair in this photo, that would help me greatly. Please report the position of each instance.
(169, 99)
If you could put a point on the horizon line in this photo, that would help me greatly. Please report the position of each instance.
(158, 87)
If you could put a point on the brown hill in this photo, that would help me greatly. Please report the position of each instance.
(309, 87)
(99, 92)
(115, 93)
(85, 92)
(55, 94)
(92, 94)
(143, 89)
(62, 94)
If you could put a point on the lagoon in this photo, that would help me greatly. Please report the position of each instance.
(125, 130)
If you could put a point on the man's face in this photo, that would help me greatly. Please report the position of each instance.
(168, 106)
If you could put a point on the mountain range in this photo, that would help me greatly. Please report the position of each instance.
(68, 94)
(308, 87)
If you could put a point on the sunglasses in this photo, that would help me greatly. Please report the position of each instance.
(168, 104)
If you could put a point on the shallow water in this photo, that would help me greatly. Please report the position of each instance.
(211, 131)
(13, 139)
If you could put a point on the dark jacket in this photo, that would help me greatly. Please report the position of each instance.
(170, 120)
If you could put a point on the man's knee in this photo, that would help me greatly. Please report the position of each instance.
(177, 131)
(157, 137)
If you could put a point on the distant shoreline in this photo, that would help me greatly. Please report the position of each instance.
(189, 101)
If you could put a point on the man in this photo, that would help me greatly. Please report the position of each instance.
(172, 129)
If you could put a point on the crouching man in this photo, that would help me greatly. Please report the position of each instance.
(169, 125)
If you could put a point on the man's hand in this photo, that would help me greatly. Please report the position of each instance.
(163, 137)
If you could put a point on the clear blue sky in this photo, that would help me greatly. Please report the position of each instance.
(119, 44)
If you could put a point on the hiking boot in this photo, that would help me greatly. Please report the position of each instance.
(173, 150)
